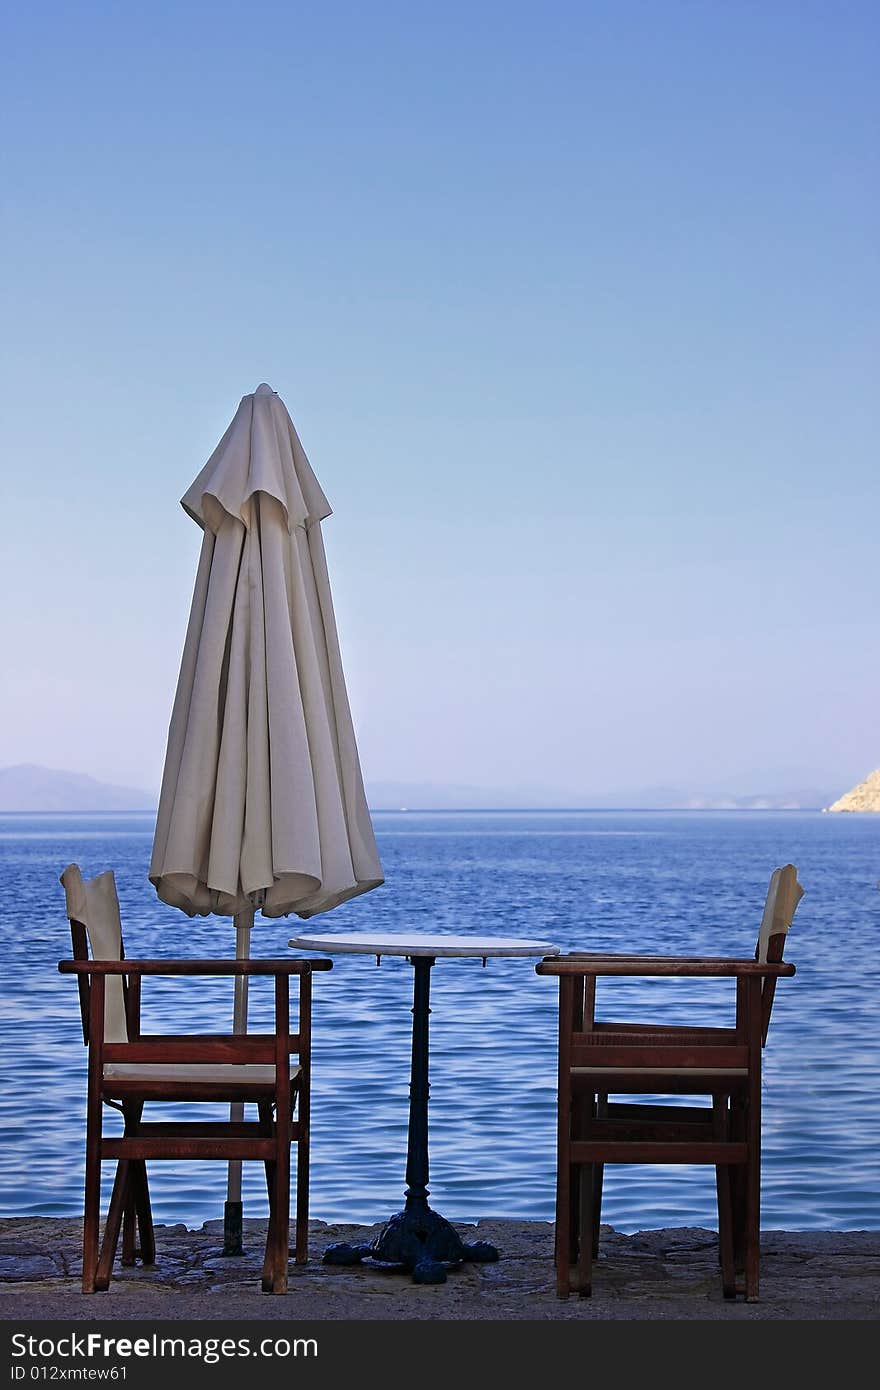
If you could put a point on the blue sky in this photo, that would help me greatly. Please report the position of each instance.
(575, 307)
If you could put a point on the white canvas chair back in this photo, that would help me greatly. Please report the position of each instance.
(95, 904)
(783, 896)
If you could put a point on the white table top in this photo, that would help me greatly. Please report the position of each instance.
(418, 944)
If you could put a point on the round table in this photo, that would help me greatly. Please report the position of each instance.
(418, 1239)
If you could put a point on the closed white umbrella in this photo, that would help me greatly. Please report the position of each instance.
(262, 802)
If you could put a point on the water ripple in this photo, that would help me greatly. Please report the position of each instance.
(651, 882)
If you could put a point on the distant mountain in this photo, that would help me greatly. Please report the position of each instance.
(442, 796)
(31, 788)
(713, 799)
(810, 800)
(864, 797)
(427, 796)
(28, 787)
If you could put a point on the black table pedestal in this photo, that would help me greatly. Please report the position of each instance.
(417, 1239)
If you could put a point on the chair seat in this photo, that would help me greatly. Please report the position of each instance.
(225, 1072)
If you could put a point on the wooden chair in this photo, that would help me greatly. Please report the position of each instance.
(127, 1069)
(599, 1059)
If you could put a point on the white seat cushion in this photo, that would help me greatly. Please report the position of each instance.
(193, 1071)
(95, 903)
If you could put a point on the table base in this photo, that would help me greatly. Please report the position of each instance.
(417, 1241)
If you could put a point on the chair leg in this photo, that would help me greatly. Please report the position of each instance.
(116, 1211)
(141, 1195)
(92, 1202)
(129, 1223)
(301, 1229)
(738, 1196)
(138, 1212)
(588, 1178)
(579, 1110)
(598, 1175)
(753, 1202)
(586, 1184)
(129, 1215)
(753, 1141)
(723, 1180)
(267, 1281)
(565, 1180)
(277, 1255)
(280, 1224)
(264, 1110)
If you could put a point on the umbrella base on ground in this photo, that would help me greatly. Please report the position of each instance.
(415, 1241)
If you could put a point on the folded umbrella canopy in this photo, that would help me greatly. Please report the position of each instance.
(262, 802)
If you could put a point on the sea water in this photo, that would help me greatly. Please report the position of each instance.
(687, 883)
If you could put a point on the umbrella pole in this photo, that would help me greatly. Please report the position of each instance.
(233, 1211)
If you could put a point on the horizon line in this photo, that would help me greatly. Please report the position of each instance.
(455, 810)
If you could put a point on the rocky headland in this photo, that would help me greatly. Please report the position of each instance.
(864, 797)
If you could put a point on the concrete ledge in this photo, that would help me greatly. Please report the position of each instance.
(665, 1274)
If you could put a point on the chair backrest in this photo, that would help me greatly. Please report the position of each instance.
(95, 923)
(783, 896)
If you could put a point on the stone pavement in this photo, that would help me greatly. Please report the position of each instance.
(666, 1274)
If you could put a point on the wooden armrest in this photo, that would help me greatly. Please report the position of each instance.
(253, 1048)
(705, 966)
(619, 955)
(193, 967)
